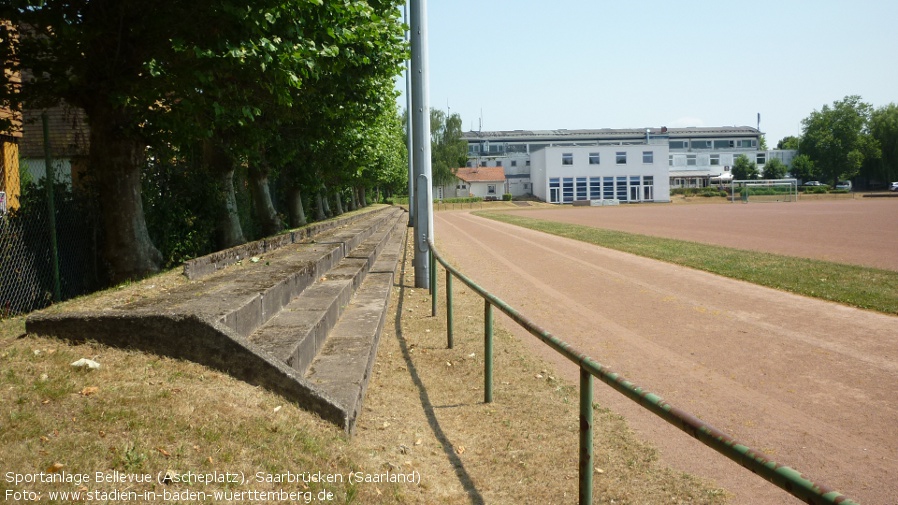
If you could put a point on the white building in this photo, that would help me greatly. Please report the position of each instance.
(695, 157)
(486, 182)
(627, 173)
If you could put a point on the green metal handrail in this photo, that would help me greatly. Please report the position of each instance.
(792, 481)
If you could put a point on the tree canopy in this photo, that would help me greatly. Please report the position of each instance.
(837, 139)
(744, 169)
(775, 169)
(448, 150)
(299, 89)
(884, 129)
(789, 142)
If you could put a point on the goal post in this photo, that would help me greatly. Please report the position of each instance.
(764, 190)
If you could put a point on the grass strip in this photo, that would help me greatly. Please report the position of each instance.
(857, 286)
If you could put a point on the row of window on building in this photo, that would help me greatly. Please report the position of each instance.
(631, 188)
(500, 148)
(691, 160)
(620, 158)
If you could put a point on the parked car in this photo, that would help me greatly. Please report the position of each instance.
(894, 186)
(813, 183)
(844, 185)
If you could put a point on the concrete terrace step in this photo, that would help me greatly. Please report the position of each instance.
(244, 297)
(343, 367)
(296, 334)
(266, 321)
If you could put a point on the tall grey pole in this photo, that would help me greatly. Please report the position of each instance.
(409, 132)
(421, 142)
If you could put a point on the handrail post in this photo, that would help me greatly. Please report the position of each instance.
(449, 309)
(433, 285)
(487, 352)
(586, 452)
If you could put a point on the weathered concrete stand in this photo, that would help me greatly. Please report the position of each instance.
(304, 321)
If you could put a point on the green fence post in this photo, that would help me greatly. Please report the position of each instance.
(487, 352)
(449, 308)
(50, 182)
(433, 285)
(586, 463)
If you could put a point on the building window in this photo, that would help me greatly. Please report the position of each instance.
(648, 157)
(761, 158)
(581, 188)
(461, 186)
(499, 163)
(567, 190)
(595, 188)
(528, 163)
(482, 163)
(701, 144)
(690, 160)
(470, 164)
(679, 144)
(526, 186)
(621, 157)
(608, 188)
(491, 189)
(514, 163)
(715, 160)
(648, 180)
(567, 158)
(670, 160)
(594, 158)
(622, 189)
(747, 143)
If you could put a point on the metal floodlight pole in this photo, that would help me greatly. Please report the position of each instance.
(408, 130)
(421, 142)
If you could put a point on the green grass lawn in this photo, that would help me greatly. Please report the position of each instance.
(863, 287)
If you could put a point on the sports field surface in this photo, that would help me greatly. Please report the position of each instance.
(811, 383)
(857, 232)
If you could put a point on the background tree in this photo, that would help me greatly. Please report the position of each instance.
(789, 142)
(215, 98)
(124, 69)
(448, 151)
(803, 168)
(744, 169)
(775, 169)
(837, 139)
(884, 129)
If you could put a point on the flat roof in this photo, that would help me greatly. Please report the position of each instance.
(609, 133)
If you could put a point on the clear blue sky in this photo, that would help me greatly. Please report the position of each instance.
(632, 64)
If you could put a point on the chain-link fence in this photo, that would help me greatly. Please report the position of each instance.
(37, 269)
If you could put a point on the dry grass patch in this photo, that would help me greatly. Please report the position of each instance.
(141, 413)
(425, 411)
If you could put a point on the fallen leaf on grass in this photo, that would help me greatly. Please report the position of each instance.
(163, 452)
(89, 390)
(55, 468)
(459, 449)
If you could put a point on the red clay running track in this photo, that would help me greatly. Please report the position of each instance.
(858, 232)
(812, 384)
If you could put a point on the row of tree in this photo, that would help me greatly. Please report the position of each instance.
(848, 139)
(300, 90)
